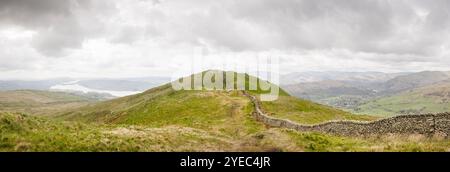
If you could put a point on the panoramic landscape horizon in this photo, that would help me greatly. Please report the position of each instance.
(224, 76)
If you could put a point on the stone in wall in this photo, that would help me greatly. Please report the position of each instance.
(442, 124)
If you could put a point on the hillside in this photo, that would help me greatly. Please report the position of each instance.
(414, 80)
(42, 102)
(340, 94)
(376, 98)
(20, 132)
(165, 106)
(428, 99)
(307, 112)
(305, 77)
(162, 119)
(237, 132)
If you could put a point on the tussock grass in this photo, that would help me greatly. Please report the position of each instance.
(20, 132)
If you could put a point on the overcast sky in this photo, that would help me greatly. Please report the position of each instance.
(132, 38)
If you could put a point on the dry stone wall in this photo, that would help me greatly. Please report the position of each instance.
(425, 124)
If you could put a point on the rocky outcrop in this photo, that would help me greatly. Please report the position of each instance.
(425, 124)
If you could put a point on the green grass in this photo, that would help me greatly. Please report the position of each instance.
(163, 106)
(316, 142)
(307, 112)
(430, 99)
(262, 86)
(20, 132)
(396, 105)
(217, 111)
(40, 102)
(27, 133)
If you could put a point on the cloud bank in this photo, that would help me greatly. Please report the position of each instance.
(51, 38)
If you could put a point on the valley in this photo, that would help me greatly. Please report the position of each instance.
(412, 93)
(39, 102)
(432, 98)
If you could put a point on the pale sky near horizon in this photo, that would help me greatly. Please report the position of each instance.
(136, 38)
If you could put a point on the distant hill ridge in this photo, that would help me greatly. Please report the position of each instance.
(40, 102)
(399, 95)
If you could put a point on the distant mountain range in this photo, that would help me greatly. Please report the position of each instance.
(304, 77)
(374, 93)
(414, 80)
(342, 90)
(109, 87)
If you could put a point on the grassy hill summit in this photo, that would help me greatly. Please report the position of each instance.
(204, 105)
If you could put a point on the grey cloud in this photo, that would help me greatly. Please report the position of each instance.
(369, 26)
(154, 2)
(128, 35)
(378, 26)
(381, 26)
(390, 32)
(54, 41)
(31, 13)
(17, 61)
(60, 24)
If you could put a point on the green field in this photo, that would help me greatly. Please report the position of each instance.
(20, 132)
(40, 102)
(307, 112)
(430, 99)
